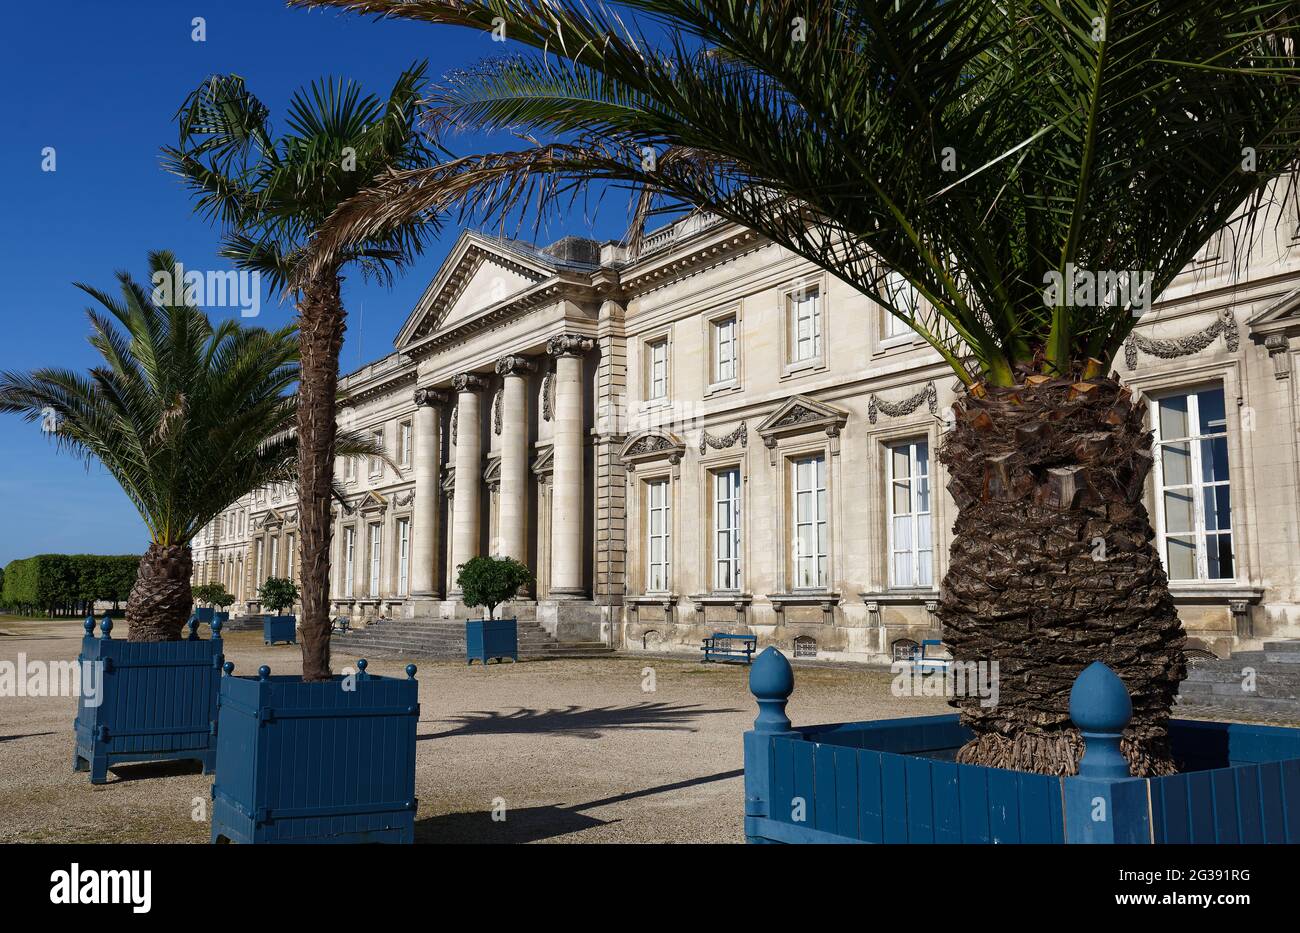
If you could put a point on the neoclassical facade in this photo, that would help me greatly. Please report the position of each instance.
(714, 435)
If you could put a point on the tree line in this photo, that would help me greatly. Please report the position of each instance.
(66, 584)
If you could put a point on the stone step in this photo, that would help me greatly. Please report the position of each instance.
(1291, 646)
(1262, 657)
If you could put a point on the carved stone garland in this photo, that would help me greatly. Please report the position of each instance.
(496, 412)
(739, 435)
(548, 396)
(455, 412)
(1183, 346)
(928, 395)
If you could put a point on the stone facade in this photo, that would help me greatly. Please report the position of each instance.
(715, 435)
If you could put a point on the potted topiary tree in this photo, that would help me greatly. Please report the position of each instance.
(203, 594)
(222, 599)
(491, 581)
(278, 594)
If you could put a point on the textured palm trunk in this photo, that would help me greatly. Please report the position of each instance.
(160, 601)
(1053, 566)
(320, 337)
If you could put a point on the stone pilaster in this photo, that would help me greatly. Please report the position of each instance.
(466, 506)
(567, 505)
(425, 555)
(512, 500)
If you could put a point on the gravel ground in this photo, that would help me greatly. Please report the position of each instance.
(576, 749)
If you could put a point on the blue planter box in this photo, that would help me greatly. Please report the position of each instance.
(222, 617)
(145, 701)
(204, 615)
(316, 762)
(491, 638)
(280, 628)
(895, 781)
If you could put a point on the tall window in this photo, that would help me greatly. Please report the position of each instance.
(376, 544)
(349, 468)
(726, 529)
(658, 537)
(290, 556)
(808, 484)
(274, 570)
(910, 546)
(805, 325)
(403, 556)
(404, 443)
(377, 465)
(725, 350)
(349, 560)
(1193, 500)
(257, 562)
(657, 370)
(905, 298)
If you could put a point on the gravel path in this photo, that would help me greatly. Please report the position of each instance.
(576, 750)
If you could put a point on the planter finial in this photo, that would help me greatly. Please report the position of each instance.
(263, 673)
(193, 623)
(106, 627)
(361, 668)
(1100, 708)
(89, 626)
(410, 671)
(215, 626)
(229, 668)
(771, 681)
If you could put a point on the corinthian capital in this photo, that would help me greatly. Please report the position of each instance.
(569, 345)
(468, 382)
(430, 398)
(514, 366)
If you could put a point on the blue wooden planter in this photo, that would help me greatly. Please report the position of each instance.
(332, 761)
(205, 615)
(280, 628)
(491, 638)
(222, 617)
(895, 781)
(145, 701)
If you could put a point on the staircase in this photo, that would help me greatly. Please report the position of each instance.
(1217, 685)
(445, 640)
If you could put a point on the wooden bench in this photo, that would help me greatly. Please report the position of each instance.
(729, 649)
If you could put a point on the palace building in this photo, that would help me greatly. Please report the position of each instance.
(714, 435)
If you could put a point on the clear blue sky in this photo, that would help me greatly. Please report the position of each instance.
(100, 82)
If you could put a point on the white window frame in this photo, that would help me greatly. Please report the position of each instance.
(817, 560)
(1200, 533)
(275, 557)
(376, 464)
(725, 350)
(404, 435)
(376, 557)
(349, 561)
(657, 375)
(658, 500)
(726, 486)
(805, 343)
(258, 562)
(290, 553)
(919, 519)
(403, 556)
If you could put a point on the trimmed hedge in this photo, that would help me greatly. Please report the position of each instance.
(64, 584)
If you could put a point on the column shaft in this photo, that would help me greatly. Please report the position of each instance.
(466, 505)
(512, 499)
(567, 507)
(424, 556)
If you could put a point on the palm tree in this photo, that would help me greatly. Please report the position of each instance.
(270, 195)
(955, 161)
(187, 415)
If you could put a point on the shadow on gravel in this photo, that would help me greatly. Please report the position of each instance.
(533, 824)
(154, 769)
(27, 735)
(577, 721)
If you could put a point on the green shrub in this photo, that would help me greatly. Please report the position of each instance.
(491, 581)
(67, 583)
(277, 594)
(213, 594)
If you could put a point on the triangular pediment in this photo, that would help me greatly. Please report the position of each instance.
(802, 414)
(479, 273)
(1281, 316)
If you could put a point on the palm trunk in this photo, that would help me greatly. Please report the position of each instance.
(160, 600)
(320, 337)
(1053, 567)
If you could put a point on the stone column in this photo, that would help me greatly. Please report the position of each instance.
(424, 555)
(568, 510)
(469, 469)
(512, 500)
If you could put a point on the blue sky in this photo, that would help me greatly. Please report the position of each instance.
(100, 83)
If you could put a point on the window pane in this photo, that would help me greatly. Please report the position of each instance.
(1214, 460)
(902, 500)
(1210, 407)
(1178, 511)
(923, 533)
(924, 573)
(1218, 556)
(1216, 501)
(902, 463)
(1173, 418)
(1181, 557)
(1176, 459)
(923, 494)
(903, 533)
